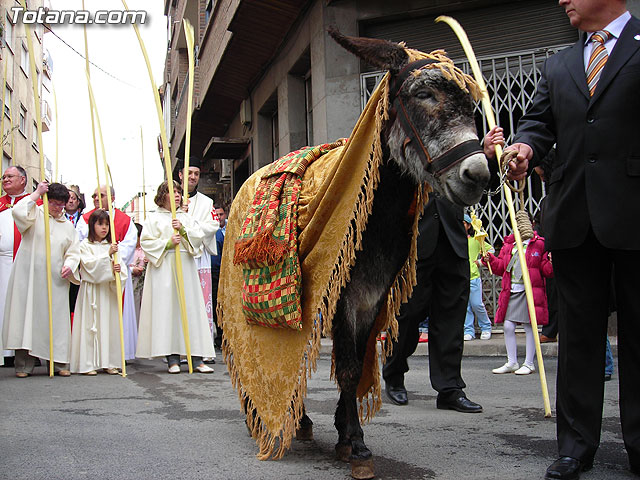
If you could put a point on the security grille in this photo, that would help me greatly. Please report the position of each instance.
(511, 81)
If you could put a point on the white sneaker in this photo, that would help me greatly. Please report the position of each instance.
(468, 337)
(506, 368)
(174, 369)
(485, 335)
(202, 368)
(525, 369)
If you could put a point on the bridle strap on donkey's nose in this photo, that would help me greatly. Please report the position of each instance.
(435, 166)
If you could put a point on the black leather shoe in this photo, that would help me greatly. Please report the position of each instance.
(397, 395)
(607, 377)
(567, 468)
(459, 404)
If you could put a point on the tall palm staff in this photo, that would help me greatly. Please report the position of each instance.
(93, 126)
(45, 197)
(116, 255)
(188, 32)
(172, 202)
(491, 121)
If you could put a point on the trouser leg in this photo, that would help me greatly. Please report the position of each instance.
(583, 282)
(450, 295)
(173, 360)
(551, 329)
(627, 286)
(475, 299)
(411, 314)
(24, 363)
(608, 365)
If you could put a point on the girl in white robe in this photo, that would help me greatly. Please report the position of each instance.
(160, 330)
(95, 338)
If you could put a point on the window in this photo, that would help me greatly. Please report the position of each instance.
(8, 34)
(24, 60)
(34, 141)
(208, 10)
(38, 31)
(7, 101)
(22, 127)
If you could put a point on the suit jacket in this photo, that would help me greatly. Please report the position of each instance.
(596, 175)
(441, 213)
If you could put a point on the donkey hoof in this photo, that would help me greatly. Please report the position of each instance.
(304, 433)
(343, 451)
(362, 469)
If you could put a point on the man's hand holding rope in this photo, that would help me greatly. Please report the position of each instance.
(517, 157)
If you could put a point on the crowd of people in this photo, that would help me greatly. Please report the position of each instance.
(94, 326)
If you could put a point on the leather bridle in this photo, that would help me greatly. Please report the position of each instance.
(440, 164)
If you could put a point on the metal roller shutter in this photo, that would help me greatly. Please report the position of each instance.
(508, 27)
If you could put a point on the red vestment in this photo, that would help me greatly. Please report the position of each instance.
(121, 222)
(5, 204)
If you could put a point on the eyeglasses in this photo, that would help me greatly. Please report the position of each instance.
(56, 204)
(7, 177)
(96, 196)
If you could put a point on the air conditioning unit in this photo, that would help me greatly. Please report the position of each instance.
(245, 112)
(226, 168)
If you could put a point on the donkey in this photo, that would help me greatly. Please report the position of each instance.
(430, 137)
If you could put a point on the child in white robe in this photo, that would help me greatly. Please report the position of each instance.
(160, 331)
(95, 338)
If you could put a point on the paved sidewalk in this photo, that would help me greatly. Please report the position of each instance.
(494, 347)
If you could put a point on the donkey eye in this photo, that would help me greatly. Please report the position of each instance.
(424, 95)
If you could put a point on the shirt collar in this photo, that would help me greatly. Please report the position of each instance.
(13, 197)
(614, 28)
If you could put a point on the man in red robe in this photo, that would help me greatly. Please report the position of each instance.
(14, 182)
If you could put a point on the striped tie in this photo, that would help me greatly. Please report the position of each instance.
(597, 59)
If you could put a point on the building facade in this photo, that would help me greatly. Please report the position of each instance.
(270, 80)
(19, 135)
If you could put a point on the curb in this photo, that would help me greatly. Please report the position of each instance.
(494, 347)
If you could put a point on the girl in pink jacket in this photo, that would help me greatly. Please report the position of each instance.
(512, 302)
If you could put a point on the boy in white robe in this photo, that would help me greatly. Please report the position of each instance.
(26, 314)
(95, 339)
(160, 330)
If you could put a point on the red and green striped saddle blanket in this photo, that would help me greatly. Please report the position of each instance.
(267, 247)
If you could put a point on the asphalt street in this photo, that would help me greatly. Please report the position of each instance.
(152, 425)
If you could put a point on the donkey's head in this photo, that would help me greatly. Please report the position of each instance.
(431, 132)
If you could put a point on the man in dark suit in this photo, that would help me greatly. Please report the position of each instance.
(592, 114)
(442, 293)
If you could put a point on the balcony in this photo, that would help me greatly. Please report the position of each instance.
(46, 116)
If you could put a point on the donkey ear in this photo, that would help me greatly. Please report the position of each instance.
(380, 53)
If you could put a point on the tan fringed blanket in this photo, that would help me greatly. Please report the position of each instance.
(269, 367)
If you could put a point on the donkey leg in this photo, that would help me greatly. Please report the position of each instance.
(343, 447)
(361, 458)
(349, 344)
(304, 432)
